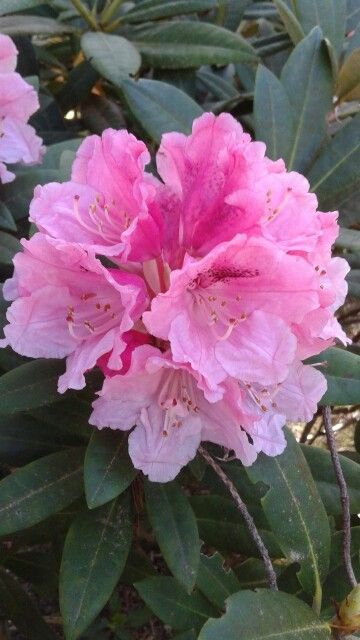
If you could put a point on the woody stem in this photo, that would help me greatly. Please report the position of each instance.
(344, 496)
(271, 575)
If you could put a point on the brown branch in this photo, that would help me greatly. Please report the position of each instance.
(271, 575)
(344, 496)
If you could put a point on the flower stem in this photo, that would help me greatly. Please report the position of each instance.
(83, 11)
(271, 575)
(344, 496)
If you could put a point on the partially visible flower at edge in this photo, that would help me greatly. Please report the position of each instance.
(18, 101)
(198, 296)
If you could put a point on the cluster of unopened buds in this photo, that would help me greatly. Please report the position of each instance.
(198, 293)
(18, 101)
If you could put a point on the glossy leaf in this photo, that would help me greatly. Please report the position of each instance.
(221, 526)
(159, 107)
(251, 574)
(295, 512)
(23, 438)
(320, 463)
(95, 552)
(329, 15)
(114, 57)
(29, 386)
(8, 247)
(335, 176)
(17, 606)
(262, 614)
(216, 582)
(40, 489)
(108, 470)
(184, 44)
(150, 10)
(348, 239)
(32, 25)
(13, 6)
(175, 529)
(342, 371)
(336, 586)
(307, 78)
(274, 123)
(170, 602)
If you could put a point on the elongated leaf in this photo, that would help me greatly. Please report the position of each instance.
(274, 123)
(159, 107)
(329, 15)
(251, 574)
(342, 371)
(263, 615)
(17, 605)
(291, 23)
(221, 526)
(220, 88)
(108, 470)
(307, 78)
(175, 529)
(150, 10)
(295, 512)
(188, 635)
(335, 176)
(29, 386)
(6, 220)
(12, 6)
(95, 552)
(348, 239)
(22, 439)
(214, 581)
(80, 81)
(319, 461)
(39, 568)
(170, 602)
(40, 489)
(183, 44)
(32, 25)
(336, 585)
(352, 15)
(138, 567)
(114, 57)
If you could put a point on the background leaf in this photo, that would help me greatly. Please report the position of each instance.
(114, 57)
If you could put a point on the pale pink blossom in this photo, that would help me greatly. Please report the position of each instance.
(108, 206)
(219, 282)
(66, 304)
(18, 101)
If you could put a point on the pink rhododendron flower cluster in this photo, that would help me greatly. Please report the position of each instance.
(18, 101)
(198, 294)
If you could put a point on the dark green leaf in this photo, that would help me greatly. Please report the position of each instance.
(16, 605)
(357, 436)
(100, 113)
(307, 78)
(295, 512)
(348, 239)
(138, 567)
(321, 467)
(32, 25)
(95, 552)
(251, 574)
(170, 602)
(114, 57)
(39, 568)
(335, 176)
(342, 371)
(108, 470)
(220, 88)
(336, 585)
(12, 6)
(183, 44)
(29, 386)
(155, 9)
(221, 526)
(159, 107)
(80, 81)
(216, 582)
(175, 529)
(22, 439)
(17, 195)
(329, 15)
(6, 219)
(40, 489)
(274, 123)
(262, 615)
(188, 635)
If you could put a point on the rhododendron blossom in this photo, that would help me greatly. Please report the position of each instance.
(198, 295)
(18, 101)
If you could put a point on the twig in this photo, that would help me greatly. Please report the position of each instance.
(271, 575)
(344, 496)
